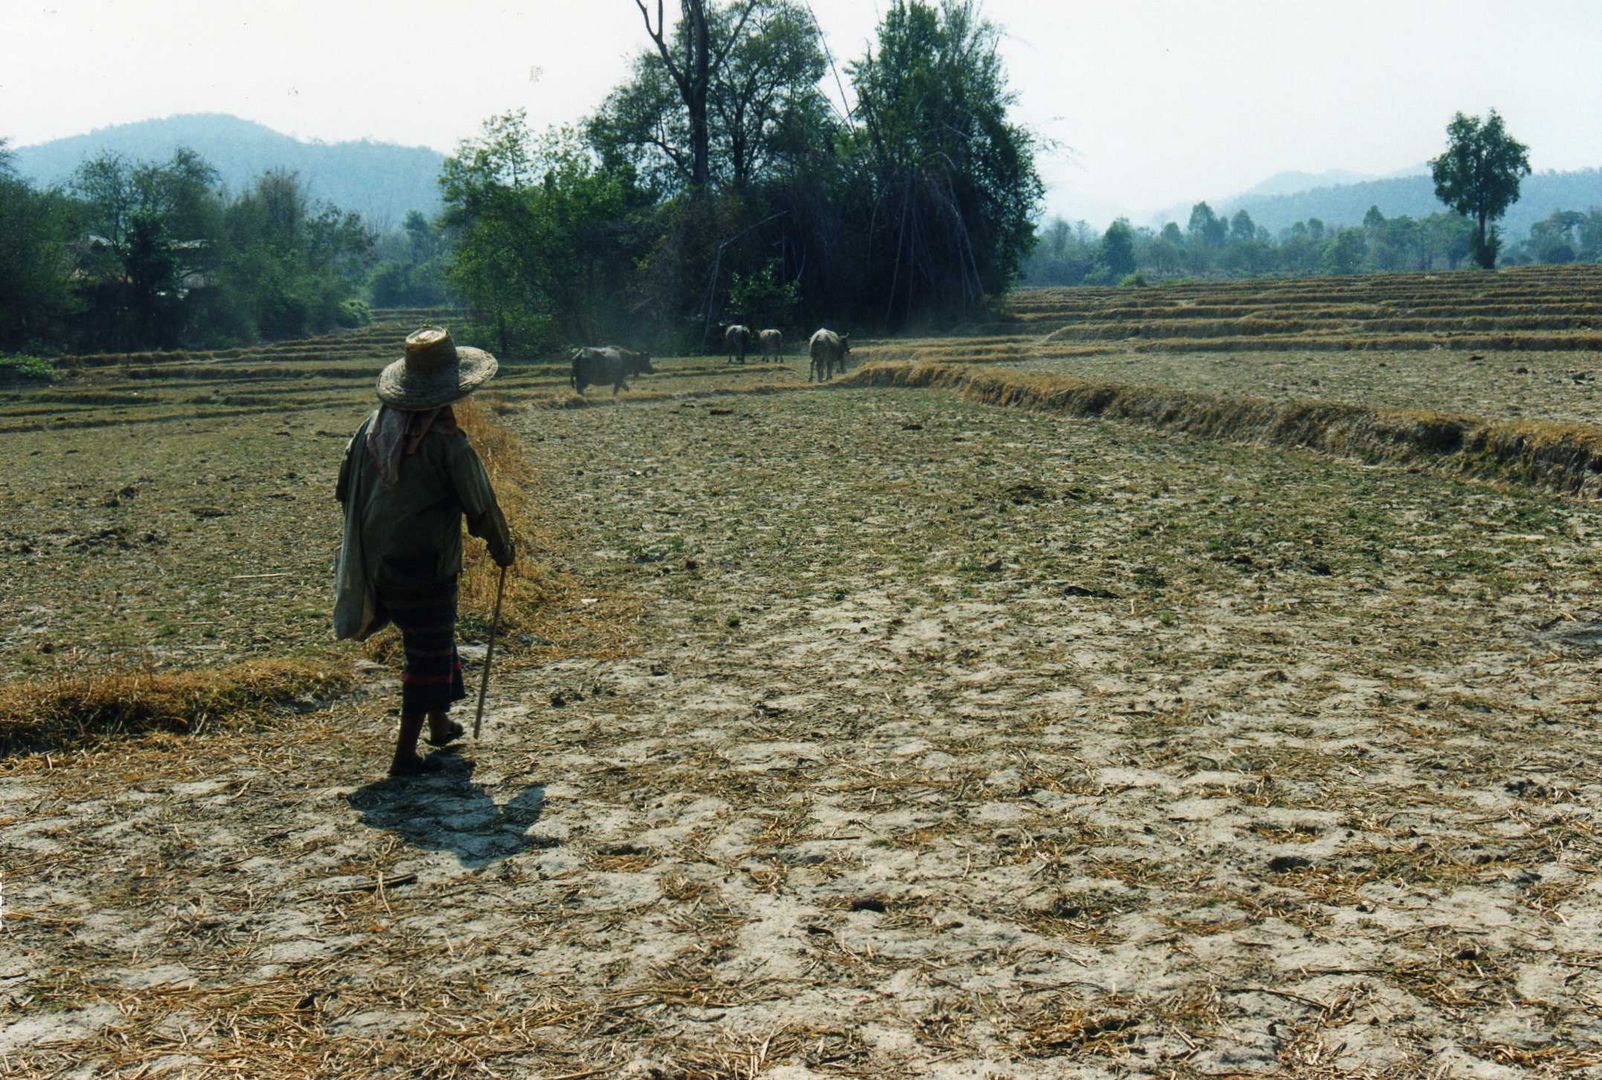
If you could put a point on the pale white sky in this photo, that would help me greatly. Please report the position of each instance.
(1161, 102)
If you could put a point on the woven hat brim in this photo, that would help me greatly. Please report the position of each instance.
(402, 389)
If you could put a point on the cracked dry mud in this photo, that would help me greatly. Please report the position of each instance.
(950, 741)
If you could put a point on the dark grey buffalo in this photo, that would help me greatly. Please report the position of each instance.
(608, 364)
(829, 351)
(737, 339)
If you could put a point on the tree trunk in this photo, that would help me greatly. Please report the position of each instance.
(698, 79)
(700, 140)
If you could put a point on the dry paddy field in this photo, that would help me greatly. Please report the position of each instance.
(930, 725)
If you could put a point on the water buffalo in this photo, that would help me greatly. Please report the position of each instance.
(772, 342)
(609, 364)
(737, 339)
(829, 351)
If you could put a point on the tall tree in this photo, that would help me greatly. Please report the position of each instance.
(1445, 237)
(1058, 235)
(1206, 228)
(1591, 236)
(703, 55)
(544, 235)
(1478, 176)
(766, 104)
(290, 263)
(411, 272)
(763, 103)
(1344, 252)
(1559, 238)
(1242, 230)
(153, 229)
(952, 180)
(1116, 259)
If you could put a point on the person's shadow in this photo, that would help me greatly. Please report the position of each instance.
(447, 811)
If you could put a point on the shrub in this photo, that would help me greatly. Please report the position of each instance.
(26, 368)
(763, 299)
(353, 313)
(1137, 280)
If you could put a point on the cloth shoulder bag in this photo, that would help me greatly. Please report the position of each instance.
(356, 613)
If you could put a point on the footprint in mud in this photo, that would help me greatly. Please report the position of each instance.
(448, 811)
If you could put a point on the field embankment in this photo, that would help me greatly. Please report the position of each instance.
(1485, 374)
(1563, 457)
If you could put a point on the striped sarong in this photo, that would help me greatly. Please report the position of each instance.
(432, 677)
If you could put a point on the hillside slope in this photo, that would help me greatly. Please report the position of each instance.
(381, 181)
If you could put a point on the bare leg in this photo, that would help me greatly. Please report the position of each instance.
(407, 759)
(440, 728)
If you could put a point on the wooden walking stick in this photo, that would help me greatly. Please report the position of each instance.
(489, 653)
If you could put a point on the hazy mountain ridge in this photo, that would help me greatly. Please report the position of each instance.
(1295, 182)
(381, 181)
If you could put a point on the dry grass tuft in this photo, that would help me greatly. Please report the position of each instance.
(530, 586)
(49, 714)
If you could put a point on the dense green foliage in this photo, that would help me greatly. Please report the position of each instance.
(288, 267)
(1478, 176)
(954, 187)
(26, 368)
(411, 265)
(1564, 237)
(140, 255)
(544, 243)
(35, 231)
(1115, 258)
(719, 184)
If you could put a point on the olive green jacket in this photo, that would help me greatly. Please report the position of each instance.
(408, 536)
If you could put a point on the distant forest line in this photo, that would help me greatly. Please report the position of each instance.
(1541, 195)
(138, 255)
(1212, 245)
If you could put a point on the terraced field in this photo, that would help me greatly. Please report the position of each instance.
(1518, 343)
(138, 487)
(896, 729)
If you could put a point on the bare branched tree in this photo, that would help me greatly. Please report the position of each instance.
(694, 71)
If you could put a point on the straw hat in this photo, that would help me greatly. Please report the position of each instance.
(434, 371)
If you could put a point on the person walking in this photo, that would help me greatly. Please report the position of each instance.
(409, 478)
